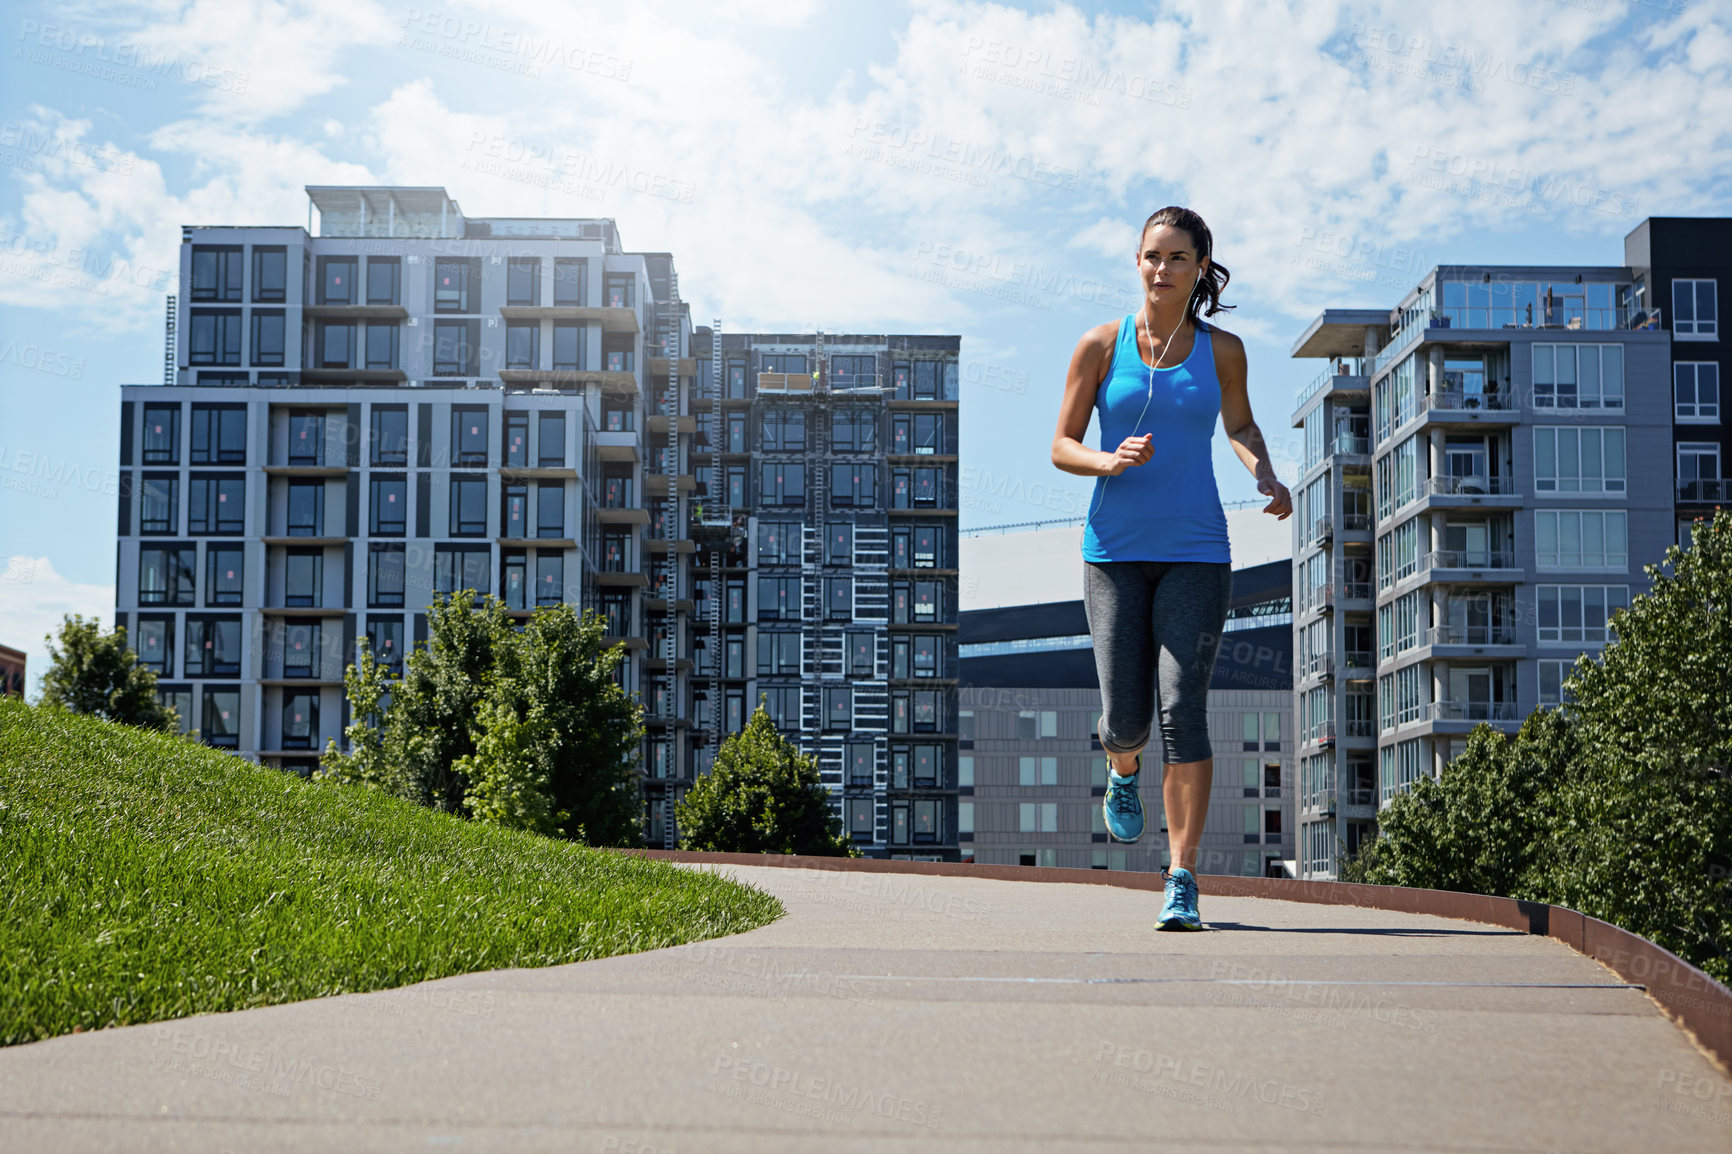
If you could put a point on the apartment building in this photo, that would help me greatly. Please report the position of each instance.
(1032, 771)
(389, 404)
(824, 576)
(1488, 465)
(1681, 263)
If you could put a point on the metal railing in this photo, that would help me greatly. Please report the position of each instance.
(1361, 728)
(1473, 486)
(1705, 489)
(1470, 635)
(1474, 711)
(1337, 367)
(1563, 317)
(1467, 559)
(1356, 523)
(1359, 659)
(1462, 399)
(1357, 591)
(1348, 443)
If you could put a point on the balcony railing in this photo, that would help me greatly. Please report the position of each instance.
(1563, 317)
(1356, 523)
(1473, 486)
(1467, 559)
(1320, 664)
(1360, 659)
(1357, 591)
(1705, 489)
(1348, 443)
(1359, 797)
(1361, 727)
(1323, 529)
(1470, 635)
(1461, 399)
(1337, 367)
(1475, 711)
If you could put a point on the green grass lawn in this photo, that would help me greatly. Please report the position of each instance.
(144, 877)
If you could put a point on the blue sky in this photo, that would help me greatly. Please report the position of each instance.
(943, 167)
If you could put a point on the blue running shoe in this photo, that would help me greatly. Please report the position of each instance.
(1123, 806)
(1179, 910)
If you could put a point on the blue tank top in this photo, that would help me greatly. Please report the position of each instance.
(1167, 509)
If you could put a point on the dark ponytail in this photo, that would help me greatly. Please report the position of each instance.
(1213, 280)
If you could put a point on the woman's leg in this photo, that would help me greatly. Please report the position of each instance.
(1117, 600)
(1190, 608)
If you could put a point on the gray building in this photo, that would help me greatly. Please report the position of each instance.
(359, 415)
(1488, 466)
(1032, 770)
(398, 401)
(825, 569)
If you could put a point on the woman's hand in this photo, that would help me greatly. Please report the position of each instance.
(1281, 501)
(1132, 451)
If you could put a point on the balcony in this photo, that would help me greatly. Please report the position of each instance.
(1351, 371)
(1359, 663)
(1360, 727)
(1347, 445)
(1466, 406)
(1705, 489)
(1323, 531)
(1564, 318)
(1319, 665)
(1471, 635)
(1356, 523)
(1475, 711)
(1470, 566)
(1470, 490)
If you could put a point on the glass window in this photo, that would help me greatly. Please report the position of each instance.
(468, 505)
(549, 509)
(469, 436)
(306, 509)
(221, 724)
(853, 485)
(839, 598)
(219, 434)
(454, 349)
(300, 720)
(162, 434)
(838, 707)
(860, 818)
(387, 505)
(567, 346)
(783, 483)
(300, 648)
(390, 435)
(306, 438)
(382, 341)
(336, 345)
(217, 504)
(213, 647)
(458, 567)
(304, 578)
(223, 574)
(337, 280)
(516, 512)
(165, 575)
(268, 333)
(549, 577)
(550, 441)
(385, 575)
(216, 272)
(159, 504)
(453, 291)
(840, 538)
(1695, 310)
(153, 641)
(523, 280)
(523, 345)
(514, 578)
(215, 338)
(1695, 391)
(621, 290)
(569, 274)
(384, 280)
(270, 283)
(385, 639)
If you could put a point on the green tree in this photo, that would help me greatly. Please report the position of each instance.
(93, 672)
(523, 728)
(1617, 803)
(762, 796)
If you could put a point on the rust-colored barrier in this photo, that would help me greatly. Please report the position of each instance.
(1698, 1004)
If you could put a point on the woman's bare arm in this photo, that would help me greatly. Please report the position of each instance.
(1068, 451)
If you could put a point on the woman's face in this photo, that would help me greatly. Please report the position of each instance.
(1168, 264)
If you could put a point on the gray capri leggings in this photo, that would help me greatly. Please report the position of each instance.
(1156, 624)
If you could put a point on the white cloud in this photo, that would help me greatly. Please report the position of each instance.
(34, 599)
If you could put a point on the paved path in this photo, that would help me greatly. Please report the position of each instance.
(897, 1012)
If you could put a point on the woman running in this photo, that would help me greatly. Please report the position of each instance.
(1157, 575)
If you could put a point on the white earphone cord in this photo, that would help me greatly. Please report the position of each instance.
(1105, 481)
